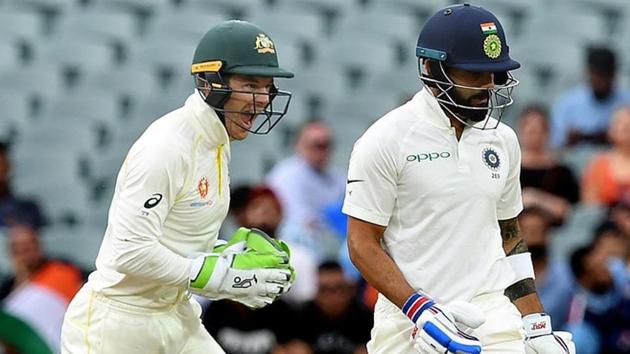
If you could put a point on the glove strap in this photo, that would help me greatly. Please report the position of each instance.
(209, 270)
(537, 324)
(415, 305)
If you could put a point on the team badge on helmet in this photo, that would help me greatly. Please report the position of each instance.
(264, 44)
(491, 158)
(492, 46)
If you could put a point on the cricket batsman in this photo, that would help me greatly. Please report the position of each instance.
(433, 196)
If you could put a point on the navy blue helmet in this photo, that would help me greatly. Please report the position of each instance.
(469, 38)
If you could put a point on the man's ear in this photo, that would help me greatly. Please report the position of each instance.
(425, 64)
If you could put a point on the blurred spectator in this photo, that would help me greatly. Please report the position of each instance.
(241, 330)
(554, 282)
(600, 309)
(306, 185)
(335, 322)
(14, 210)
(262, 210)
(234, 218)
(40, 289)
(620, 216)
(607, 177)
(610, 237)
(546, 183)
(582, 114)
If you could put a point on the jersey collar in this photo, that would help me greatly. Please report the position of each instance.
(427, 107)
(207, 121)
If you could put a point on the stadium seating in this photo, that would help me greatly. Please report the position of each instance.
(75, 55)
(138, 6)
(15, 109)
(238, 9)
(420, 8)
(85, 242)
(170, 26)
(80, 80)
(34, 80)
(9, 54)
(20, 24)
(281, 23)
(50, 6)
(5, 259)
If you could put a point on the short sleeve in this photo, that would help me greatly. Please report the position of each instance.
(372, 179)
(510, 204)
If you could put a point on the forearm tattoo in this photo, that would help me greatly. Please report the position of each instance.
(520, 289)
(514, 244)
(520, 247)
(511, 235)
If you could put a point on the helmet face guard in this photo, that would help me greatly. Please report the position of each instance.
(240, 48)
(499, 97)
(468, 38)
(220, 92)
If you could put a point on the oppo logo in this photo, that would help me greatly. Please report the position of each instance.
(428, 156)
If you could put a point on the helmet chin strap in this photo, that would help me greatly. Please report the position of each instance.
(218, 91)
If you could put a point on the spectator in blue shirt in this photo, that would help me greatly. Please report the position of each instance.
(600, 308)
(306, 184)
(582, 114)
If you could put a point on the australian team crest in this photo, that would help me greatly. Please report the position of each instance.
(264, 44)
(491, 158)
(202, 187)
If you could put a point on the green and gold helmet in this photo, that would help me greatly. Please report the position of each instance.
(239, 48)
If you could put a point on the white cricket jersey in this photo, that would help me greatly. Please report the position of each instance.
(439, 198)
(171, 196)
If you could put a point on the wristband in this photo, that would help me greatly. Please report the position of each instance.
(415, 305)
(522, 266)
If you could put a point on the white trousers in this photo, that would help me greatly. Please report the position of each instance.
(94, 324)
(502, 333)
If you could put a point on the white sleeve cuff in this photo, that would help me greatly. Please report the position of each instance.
(365, 215)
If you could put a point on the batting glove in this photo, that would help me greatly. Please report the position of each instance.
(437, 325)
(541, 339)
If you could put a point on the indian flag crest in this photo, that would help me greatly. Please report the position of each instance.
(488, 28)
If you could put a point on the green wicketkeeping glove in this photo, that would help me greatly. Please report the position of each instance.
(248, 269)
(258, 240)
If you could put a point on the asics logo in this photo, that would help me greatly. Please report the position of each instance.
(240, 283)
(153, 201)
(430, 156)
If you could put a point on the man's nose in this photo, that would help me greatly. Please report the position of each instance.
(261, 100)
